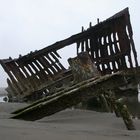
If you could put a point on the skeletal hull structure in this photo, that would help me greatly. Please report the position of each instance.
(109, 44)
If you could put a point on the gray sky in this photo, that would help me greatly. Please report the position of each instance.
(28, 25)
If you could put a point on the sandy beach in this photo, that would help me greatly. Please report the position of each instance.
(65, 125)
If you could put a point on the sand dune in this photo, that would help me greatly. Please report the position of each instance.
(66, 125)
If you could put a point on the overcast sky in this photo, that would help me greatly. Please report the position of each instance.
(28, 25)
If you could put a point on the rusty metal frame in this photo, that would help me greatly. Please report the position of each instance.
(109, 43)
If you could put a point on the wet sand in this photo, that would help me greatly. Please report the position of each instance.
(65, 125)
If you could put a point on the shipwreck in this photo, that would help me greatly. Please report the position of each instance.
(106, 60)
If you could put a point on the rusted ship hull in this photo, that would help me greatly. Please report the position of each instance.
(109, 43)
